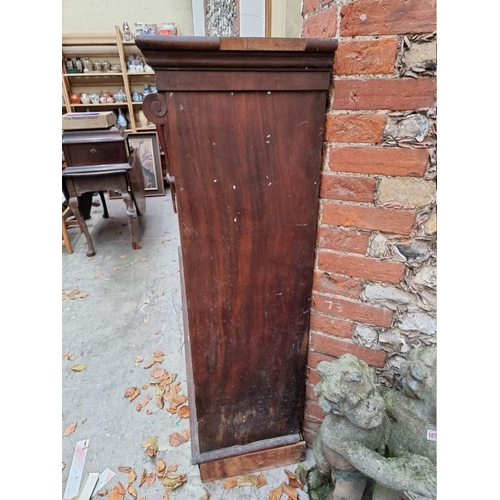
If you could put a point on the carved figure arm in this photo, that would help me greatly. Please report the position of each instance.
(409, 473)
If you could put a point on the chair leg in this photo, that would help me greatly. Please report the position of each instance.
(65, 237)
(105, 215)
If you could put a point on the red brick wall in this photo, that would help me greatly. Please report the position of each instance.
(367, 86)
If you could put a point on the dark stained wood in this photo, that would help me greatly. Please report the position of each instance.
(246, 159)
(252, 462)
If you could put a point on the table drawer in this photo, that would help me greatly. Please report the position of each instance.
(95, 153)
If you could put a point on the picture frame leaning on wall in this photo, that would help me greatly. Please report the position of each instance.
(149, 154)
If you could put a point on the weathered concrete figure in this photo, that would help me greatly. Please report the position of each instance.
(377, 432)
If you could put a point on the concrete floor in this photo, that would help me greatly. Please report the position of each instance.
(129, 305)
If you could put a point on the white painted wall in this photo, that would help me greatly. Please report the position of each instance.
(97, 16)
(252, 18)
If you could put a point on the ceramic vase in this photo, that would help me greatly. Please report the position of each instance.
(121, 120)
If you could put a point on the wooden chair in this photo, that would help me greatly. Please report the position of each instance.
(66, 214)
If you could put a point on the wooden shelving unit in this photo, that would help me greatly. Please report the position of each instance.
(112, 48)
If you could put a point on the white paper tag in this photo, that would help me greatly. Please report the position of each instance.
(431, 435)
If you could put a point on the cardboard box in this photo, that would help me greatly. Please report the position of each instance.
(84, 121)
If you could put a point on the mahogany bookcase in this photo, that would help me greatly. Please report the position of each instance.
(241, 123)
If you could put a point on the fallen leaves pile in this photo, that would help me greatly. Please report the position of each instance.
(288, 488)
(167, 475)
(74, 294)
(167, 394)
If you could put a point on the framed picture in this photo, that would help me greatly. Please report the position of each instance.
(149, 153)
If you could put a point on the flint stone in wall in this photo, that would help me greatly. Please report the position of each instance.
(418, 321)
(392, 340)
(429, 300)
(364, 335)
(381, 247)
(414, 126)
(387, 292)
(407, 190)
(430, 225)
(426, 276)
(416, 250)
(420, 54)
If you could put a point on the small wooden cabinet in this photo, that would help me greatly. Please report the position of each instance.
(241, 120)
(112, 48)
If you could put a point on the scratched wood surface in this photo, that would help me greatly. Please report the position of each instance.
(247, 203)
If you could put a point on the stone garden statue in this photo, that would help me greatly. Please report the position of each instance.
(378, 434)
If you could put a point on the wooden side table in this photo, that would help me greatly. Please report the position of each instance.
(125, 178)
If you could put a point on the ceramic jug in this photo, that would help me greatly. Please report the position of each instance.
(85, 98)
(94, 98)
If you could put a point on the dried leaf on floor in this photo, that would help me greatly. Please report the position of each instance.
(116, 268)
(142, 404)
(276, 493)
(132, 476)
(131, 490)
(143, 477)
(65, 353)
(129, 392)
(146, 386)
(183, 412)
(127, 470)
(63, 465)
(102, 492)
(176, 439)
(157, 372)
(138, 360)
(230, 482)
(100, 275)
(71, 358)
(206, 496)
(157, 332)
(160, 466)
(135, 395)
(149, 412)
(172, 482)
(290, 491)
(122, 256)
(84, 421)
(150, 479)
(165, 496)
(158, 356)
(117, 233)
(187, 433)
(178, 400)
(149, 365)
(247, 480)
(293, 480)
(159, 391)
(152, 451)
(150, 442)
(261, 481)
(70, 429)
(78, 368)
(117, 493)
(172, 468)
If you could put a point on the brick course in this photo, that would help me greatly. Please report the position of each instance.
(338, 187)
(379, 161)
(342, 240)
(337, 285)
(391, 94)
(387, 220)
(361, 267)
(365, 57)
(388, 17)
(321, 25)
(349, 309)
(354, 128)
(337, 347)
